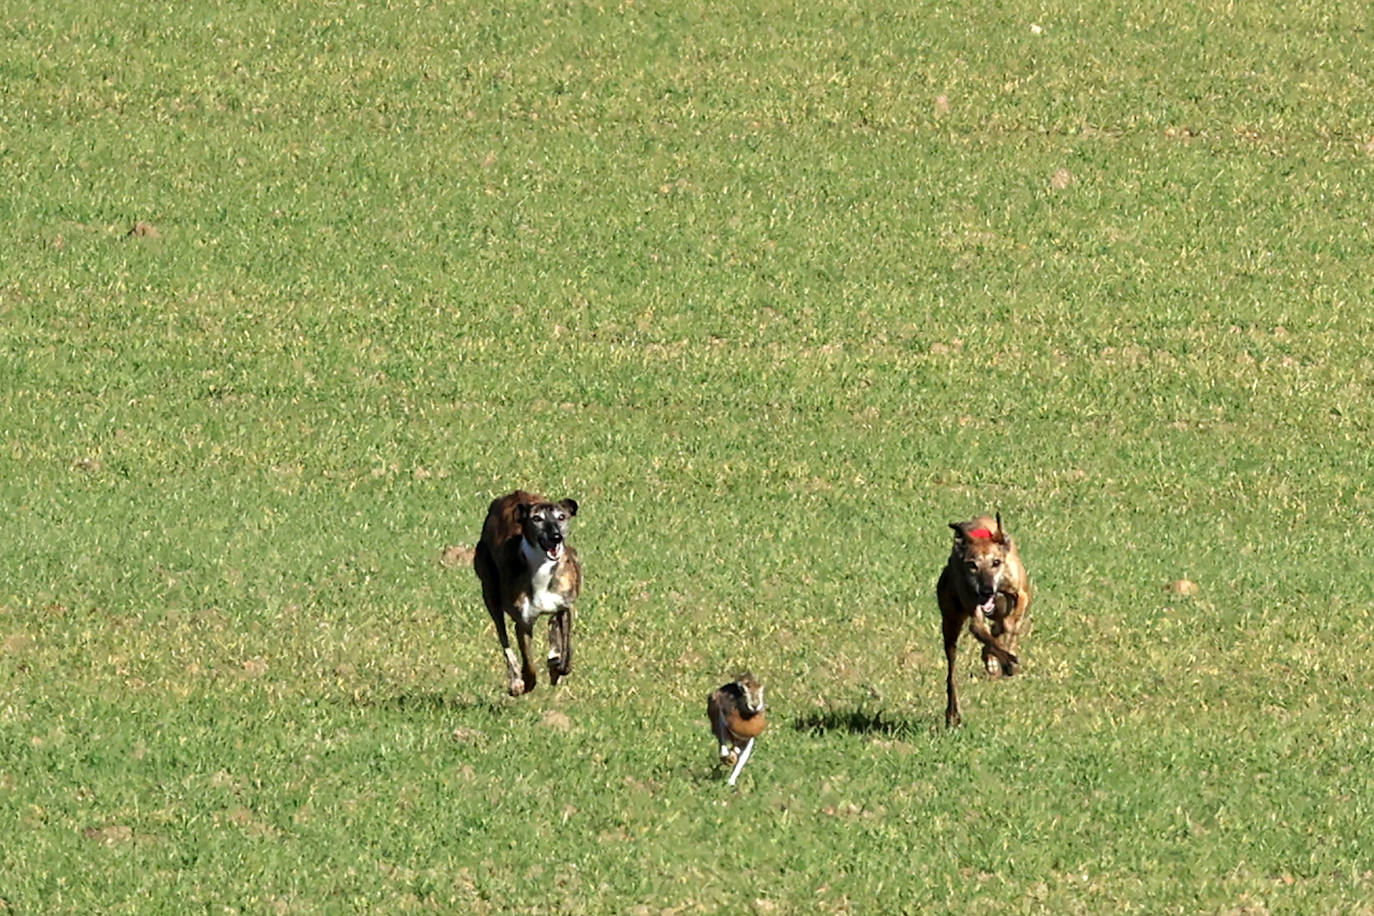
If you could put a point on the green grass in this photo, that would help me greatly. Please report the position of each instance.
(775, 292)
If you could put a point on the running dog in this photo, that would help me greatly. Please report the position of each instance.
(985, 584)
(528, 569)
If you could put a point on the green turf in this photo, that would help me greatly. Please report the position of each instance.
(775, 291)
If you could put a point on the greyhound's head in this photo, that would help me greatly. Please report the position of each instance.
(545, 525)
(750, 694)
(980, 555)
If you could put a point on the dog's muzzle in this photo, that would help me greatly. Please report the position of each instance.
(552, 547)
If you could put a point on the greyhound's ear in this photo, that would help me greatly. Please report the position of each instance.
(570, 505)
(959, 531)
(522, 512)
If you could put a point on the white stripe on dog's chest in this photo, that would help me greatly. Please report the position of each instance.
(541, 599)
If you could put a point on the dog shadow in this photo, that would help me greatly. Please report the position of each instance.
(856, 722)
(422, 702)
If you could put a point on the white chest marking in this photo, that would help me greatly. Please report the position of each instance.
(540, 600)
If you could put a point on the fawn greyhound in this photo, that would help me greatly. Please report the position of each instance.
(984, 583)
(528, 568)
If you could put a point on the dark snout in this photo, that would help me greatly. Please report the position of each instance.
(982, 586)
(548, 537)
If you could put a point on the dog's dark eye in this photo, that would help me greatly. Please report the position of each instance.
(996, 563)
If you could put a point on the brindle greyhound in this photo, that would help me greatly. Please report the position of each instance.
(984, 583)
(528, 568)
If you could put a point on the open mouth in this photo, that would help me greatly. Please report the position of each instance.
(555, 551)
(987, 607)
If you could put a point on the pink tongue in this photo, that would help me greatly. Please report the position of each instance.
(987, 606)
(556, 552)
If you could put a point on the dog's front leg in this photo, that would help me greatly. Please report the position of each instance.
(1004, 636)
(978, 626)
(560, 645)
(991, 664)
(741, 760)
(1007, 631)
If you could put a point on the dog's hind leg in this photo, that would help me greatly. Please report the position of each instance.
(518, 685)
(491, 596)
(524, 635)
(560, 645)
(953, 626)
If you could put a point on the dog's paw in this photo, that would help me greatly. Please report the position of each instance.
(559, 667)
(517, 687)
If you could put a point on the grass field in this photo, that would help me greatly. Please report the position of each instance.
(775, 291)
